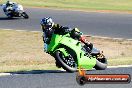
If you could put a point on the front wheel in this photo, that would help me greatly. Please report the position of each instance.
(101, 64)
(24, 14)
(68, 63)
(10, 16)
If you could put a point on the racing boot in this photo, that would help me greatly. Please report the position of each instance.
(88, 46)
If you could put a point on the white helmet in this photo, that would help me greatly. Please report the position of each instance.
(9, 2)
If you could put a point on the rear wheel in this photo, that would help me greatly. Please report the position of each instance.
(68, 63)
(10, 16)
(25, 15)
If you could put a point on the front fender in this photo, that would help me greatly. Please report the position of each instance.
(87, 62)
(62, 50)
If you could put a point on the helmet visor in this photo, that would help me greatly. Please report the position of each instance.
(44, 27)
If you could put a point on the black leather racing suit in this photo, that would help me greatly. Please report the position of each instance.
(57, 29)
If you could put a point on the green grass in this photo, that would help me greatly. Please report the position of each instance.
(120, 61)
(118, 5)
(23, 51)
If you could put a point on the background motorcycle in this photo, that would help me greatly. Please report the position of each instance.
(16, 11)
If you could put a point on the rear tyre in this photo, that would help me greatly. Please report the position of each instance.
(67, 63)
(25, 15)
(10, 16)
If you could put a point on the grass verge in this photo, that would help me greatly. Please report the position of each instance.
(116, 5)
(23, 51)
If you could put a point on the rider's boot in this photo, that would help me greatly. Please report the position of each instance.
(89, 47)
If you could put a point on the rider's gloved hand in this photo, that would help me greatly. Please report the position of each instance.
(65, 29)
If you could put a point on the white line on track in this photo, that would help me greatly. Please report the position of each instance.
(108, 37)
(4, 74)
(119, 66)
(84, 35)
(20, 30)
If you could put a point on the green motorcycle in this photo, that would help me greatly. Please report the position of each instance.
(71, 54)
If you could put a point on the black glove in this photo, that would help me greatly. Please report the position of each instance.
(65, 30)
(90, 45)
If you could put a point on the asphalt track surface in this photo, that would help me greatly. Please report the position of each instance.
(99, 24)
(92, 23)
(58, 79)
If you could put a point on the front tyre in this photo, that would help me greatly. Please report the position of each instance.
(24, 14)
(101, 64)
(67, 63)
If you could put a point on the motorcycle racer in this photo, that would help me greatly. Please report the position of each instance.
(11, 6)
(9, 3)
(67, 62)
(49, 27)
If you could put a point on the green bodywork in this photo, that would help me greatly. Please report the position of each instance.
(82, 60)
